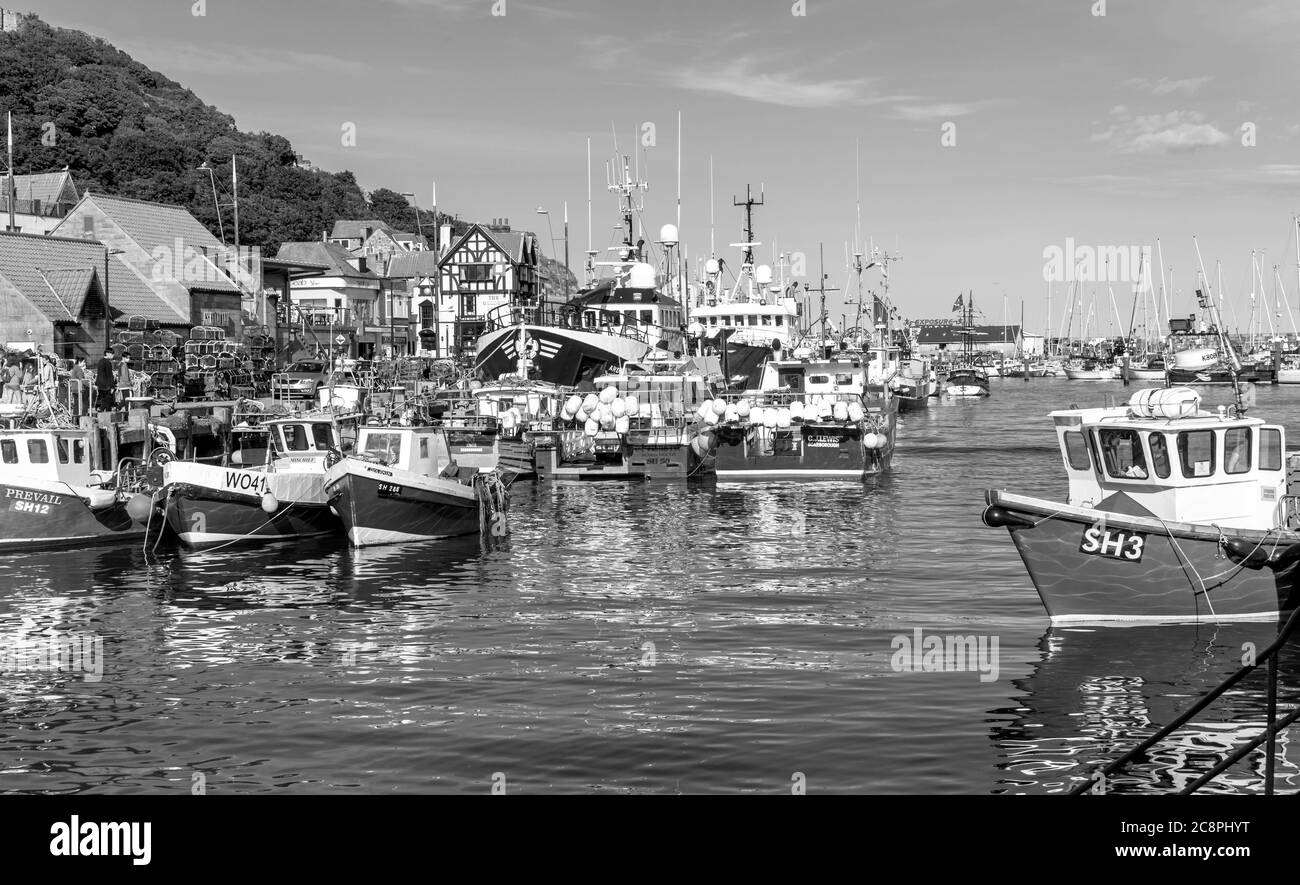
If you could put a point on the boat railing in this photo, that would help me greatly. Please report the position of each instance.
(788, 397)
(1098, 783)
(578, 318)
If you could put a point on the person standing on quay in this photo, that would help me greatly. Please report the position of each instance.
(105, 382)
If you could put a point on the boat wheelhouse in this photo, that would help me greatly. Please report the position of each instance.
(50, 496)
(1173, 514)
(280, 499)
(401, 485)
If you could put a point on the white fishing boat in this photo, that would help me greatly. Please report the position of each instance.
(1289, 370)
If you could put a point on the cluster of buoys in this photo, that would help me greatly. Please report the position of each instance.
(605, 411)
(781, 417)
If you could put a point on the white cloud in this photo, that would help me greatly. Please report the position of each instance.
(1166, 86)
(758, 79)
(1174, 132)
(939, 111)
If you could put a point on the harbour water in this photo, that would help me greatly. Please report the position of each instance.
(629, 638)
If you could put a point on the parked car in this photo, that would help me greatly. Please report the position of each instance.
(300, 379)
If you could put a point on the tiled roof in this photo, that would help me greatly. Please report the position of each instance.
(152, 226)
(356, 229)
(48, 187)
(407, 265)
(48, 271)
(333, 257)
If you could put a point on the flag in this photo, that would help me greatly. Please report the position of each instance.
(958, 305)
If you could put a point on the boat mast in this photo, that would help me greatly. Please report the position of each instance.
(747, 263)
(1206, 302)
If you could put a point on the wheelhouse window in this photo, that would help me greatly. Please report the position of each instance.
(1160, 462)
(1236, 450)
(780, 320)
(294, 437)
(1196, 453)
(37, 452)
(61, 445)
(1121, 452)
(322, 437)
(1270, 449)
(385, 447)
(1076, 451)
(9, 451)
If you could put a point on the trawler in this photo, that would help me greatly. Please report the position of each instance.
(967, 378)
(816, 418)
(623, 318)
(1174, 513)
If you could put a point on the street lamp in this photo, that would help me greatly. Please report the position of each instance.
(542, 211)
(108, 313)
(212, 176)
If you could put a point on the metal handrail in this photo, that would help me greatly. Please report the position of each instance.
(568, 316)
(1269, 655)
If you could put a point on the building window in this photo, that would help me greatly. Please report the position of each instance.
(476, 273)
(426, 314)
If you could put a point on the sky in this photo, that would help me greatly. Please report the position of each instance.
(977, 136)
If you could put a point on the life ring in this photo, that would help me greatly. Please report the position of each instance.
(531, 347)
(160, 456)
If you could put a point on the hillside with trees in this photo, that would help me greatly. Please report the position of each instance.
(124, 129)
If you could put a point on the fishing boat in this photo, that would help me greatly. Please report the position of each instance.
(809, 419)
(967, 378)
(281, 499)
(625, 317)
(1288, 371)
(1174, 513)
(644, 424)
(401, 486)
(52, 498)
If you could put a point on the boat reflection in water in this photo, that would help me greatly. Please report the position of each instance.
(1098, 692)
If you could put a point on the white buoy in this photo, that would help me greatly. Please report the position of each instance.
(770, 417)
(622, 424)
(590, 402)
(706, 409)
(632, 404)
(869, 441)
(732, 415)
(796, 410)
(882, 440)
(608, 394)
(783, 418)
(712, 418)
(856, 412)
(719, 407)
(840, 412)
(592, 427)
(572, 405)
(269, 503)
(756, 415)
(619, 408)
(743, 408)
(582, 417)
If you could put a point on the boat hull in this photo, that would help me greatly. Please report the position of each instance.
(563, 356)
(383, 505)
(206, 505)
(34, 517)
(1248, 375)
(1288, 376)
(808, 452)
(1088, 567)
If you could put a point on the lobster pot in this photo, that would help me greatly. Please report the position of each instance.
(128, 338)
(168, 338)
(1170, 403)
(137, 323)
(135, 352)
(207, 361)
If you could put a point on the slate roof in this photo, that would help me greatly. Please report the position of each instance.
(333, 257)
(353, 229)
(408, 265)
(48, 187)
(55, 273)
